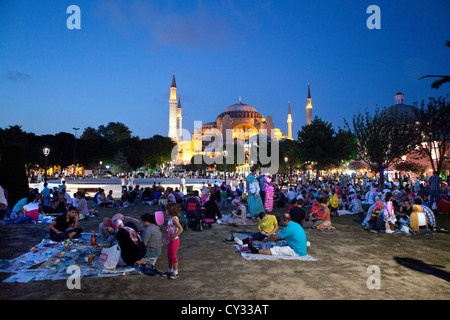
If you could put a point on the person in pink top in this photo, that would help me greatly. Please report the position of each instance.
(389, 214)
(173, 231)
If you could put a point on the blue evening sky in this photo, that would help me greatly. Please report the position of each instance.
(119, 66)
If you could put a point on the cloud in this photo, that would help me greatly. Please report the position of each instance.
(17, 75)
(193, 26)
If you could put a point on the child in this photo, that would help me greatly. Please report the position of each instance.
(389, 215)
(152, 238)
(174, 229)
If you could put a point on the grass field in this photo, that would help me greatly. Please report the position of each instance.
(411, 267)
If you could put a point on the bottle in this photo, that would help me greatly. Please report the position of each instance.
(93, 242)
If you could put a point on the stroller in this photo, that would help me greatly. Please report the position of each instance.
(195, 214)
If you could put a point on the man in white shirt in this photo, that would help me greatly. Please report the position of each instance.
(291, 194)
(183, 184)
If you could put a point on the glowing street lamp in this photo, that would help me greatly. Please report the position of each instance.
(46, 152)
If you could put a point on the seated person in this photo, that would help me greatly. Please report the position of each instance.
(240, 211)
(404, 213)
(18, 208)
(212, 210)
(106, 231)
(156, 196)
(102, 201)
(32, 208)
(147, 195)
(132, 249)
(323, 222)
(295, 238)
(418, 221)
(280, 198)
(61, 204)
(59, 228)
(129, 222)
(267, 226)
(431, 219)
(444, 205)
(297, 213)
(355, 204)
(152, 239)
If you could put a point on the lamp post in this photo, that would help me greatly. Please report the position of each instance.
(75, 152)
(225, 154)
(286, 160)
(46, 152)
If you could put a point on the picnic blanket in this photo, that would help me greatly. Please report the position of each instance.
(50, 261)
(228, 218)
(247, 255)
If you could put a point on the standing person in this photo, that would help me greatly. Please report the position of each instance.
(59, 228)
(435, 187)
(123, 182)
(389, 214)
(262, 186)
(183, 184)
(223, 197)
(255, 204)
(46, 195)
(173, 231)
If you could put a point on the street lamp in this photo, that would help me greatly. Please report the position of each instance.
(46, 152)
(75, 151)
(286, 160)
(225, 154)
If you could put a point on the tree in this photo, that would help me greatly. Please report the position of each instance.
(13, 176)
(409, 166)
(289, 150)
(320, 144)
(382, 138)
(434, 132)
(120, 164)
(443, 79)
(114, 132)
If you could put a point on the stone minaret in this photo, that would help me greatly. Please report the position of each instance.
(173, 110)
(179, 121)
(289, 122)
(308, 108)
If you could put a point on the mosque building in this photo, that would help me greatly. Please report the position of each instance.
(237, 123)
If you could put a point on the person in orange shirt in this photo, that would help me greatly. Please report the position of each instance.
(323, 222)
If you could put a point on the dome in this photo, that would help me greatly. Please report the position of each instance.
(401, 109)
(240, 107)
(406, 110)
(240, 110)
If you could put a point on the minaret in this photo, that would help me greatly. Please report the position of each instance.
(308, 108)
(179, 121)
(289, 122)
(173, 110)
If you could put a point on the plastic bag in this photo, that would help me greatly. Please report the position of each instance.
(109, 257)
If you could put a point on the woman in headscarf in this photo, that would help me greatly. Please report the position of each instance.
(255, 204)
(418, 220)
(132, 248)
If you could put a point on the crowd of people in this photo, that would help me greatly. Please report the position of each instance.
(393, 207)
